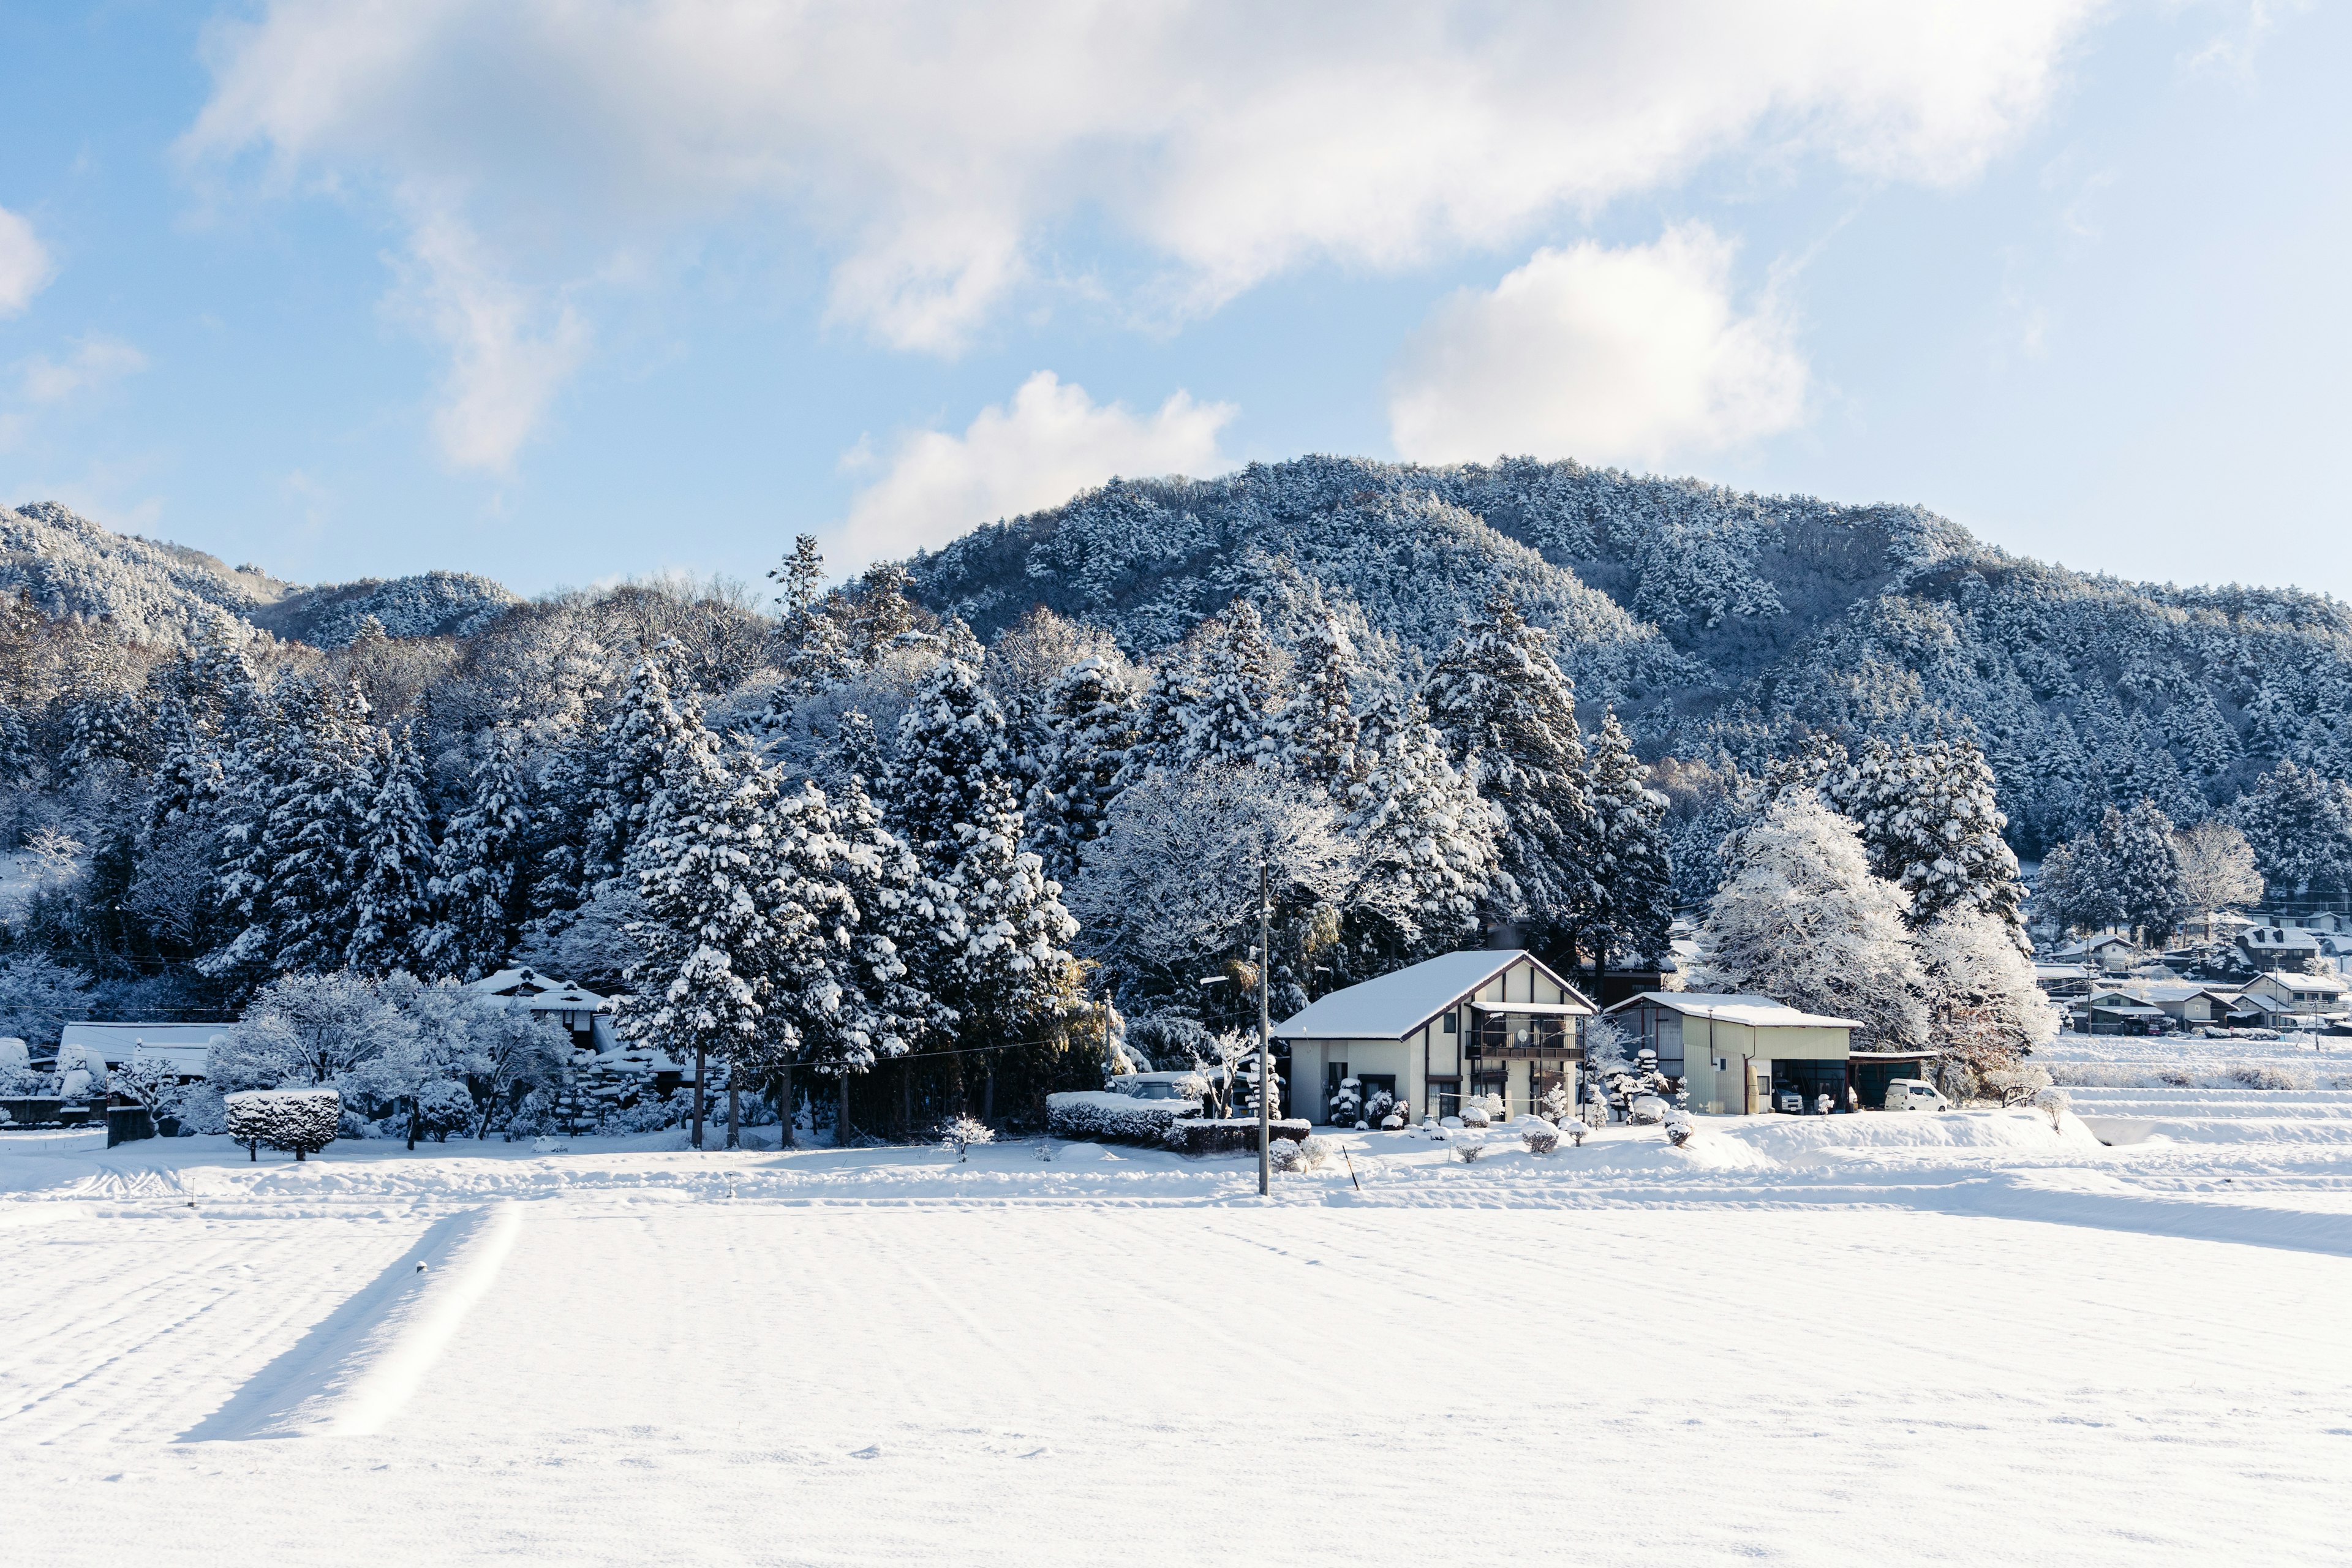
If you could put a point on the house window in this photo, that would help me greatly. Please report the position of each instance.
(1452, 1026)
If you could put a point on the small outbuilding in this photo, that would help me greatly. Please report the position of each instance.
(1734, 1053)
(1484, 1022)
(186, 1047)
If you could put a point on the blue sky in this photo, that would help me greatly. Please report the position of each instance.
(564, 292)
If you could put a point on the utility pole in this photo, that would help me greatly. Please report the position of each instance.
(1265, 1031)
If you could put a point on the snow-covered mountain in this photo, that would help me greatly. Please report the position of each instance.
(1720, 622)
(159, 592)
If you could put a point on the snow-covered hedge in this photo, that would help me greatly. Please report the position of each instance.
(1231, 1135)
(1099, 1113)
(298, 1121)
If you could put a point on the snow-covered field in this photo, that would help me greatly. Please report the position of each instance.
(1866, 1339)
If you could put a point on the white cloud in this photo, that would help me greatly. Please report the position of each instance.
(928, 146)
(1051, 442)
(510, 354)
(25, 266)
(94, 363)
(1610, 356)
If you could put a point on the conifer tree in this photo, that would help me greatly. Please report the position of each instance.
(291, 866)
(392, 890)
(2143, 867)
(1090, 718)
(2300, 827)
(481, 888)
(1930, 826)
(951, 741)
(1508, 716)
(1230, 716)
(633, 752)
(1320, 731)
(1159, 720)
(1429, 850)
(1632, 877)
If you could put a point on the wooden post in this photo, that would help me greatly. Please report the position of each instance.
(698, 1062)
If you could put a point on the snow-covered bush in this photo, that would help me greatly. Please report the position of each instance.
(300, 1121)
(1473, 1113)
(1575, 1127)
(442, 1107)
(959, 1133)
(1170, 1041)
(1391, 1122)
(1541, 1137)
(1379, 1105)
(1099, 1113)
(1646, 1110)
(1347, 1103)
(2263, 1075)
(1558, 1103)
(1679, 1127)
(2014, 1084)
(1470, 1147)
(2053, 1103)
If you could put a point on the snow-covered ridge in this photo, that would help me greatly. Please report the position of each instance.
(159, 592)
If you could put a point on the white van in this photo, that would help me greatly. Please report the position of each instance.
(1912, 1094)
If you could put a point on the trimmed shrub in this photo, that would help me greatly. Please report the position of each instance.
(1230, 1135)
(1099, 1113)
(1470, 1148)
(300, 1121)
(1539, 1137)
(1473, 1114)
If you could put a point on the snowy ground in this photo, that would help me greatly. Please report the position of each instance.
(1857, 1340)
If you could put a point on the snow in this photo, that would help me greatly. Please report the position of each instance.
(1732, 1007)
(1386, 1006)
(1852, 1332)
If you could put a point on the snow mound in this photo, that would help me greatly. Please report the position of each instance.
(1792, 1139)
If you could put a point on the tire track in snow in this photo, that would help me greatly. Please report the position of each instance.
(351, 1375)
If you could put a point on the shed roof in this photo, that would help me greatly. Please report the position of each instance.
(1390, 1006)
(121, 1042)
(1734, 1007)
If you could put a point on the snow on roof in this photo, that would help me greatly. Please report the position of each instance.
(121, 1042)
(2166, 990)
(2128, 1010)
(1389, 1006)
(2314, 985)
(2061, 972)
(1735, 1008)
(544, 993)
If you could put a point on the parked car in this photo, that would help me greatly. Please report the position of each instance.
(1911, 1094)
(1159, 1085)
(1789, 1103)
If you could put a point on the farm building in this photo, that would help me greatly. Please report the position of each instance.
(1736, 1053)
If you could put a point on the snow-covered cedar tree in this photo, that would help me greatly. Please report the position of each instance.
(1930, 826)
(298, 1121)
(1170, 892)
(481, 889)
(1802, 919)
(1541, 1138)
(703, 983)
(1508, 717)
(1231, 718)
(306, 1030)
(2217, 870)
(1159, 719)
(869, 1004)
(633, 752)
(1318, 725)
(2299, 824)
(1632, 873)
(38, 996)
(950, 740)
(1431, 852)
(1170, 1042)
(1981, 997)
(1347, 1103)
(392, 889)
(2075, 890)
(1089, 717)
(2144, 869)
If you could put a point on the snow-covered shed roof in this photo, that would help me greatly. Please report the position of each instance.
(187, 1047)
(2306, 984)
(1736, 1007)
(2061, 972)
(1390, 1006)
(544, 993)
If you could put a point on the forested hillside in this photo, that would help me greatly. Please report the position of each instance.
(1721, 624)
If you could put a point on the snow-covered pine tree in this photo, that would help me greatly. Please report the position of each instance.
(1508, 717)
(950, 743)
(1320, 731)
(291, 863)
(1430, 855)
(185, 782)
(2075, 891)
(880, 610)
(701, 862)
(481, 889)
(1159, 720)
(392, 890)
(1632, 877)
(1930, 826)
(2145, 872)
(1802, 919)
(1090, 716)
(878, 1008)
(1231, 716)
(2299, 824)
(632, 752)
(1011, 971)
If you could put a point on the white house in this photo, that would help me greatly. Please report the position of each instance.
(186, 1047)
(1735, 1052)
(1487, 1022)
(2108, 951)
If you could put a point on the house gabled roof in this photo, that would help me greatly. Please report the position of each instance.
(545, 993)
(180, 1044)
(1390, 1006)
(1735, 1008)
